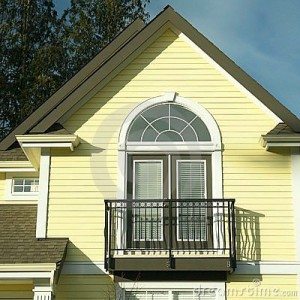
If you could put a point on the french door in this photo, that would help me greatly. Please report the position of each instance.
(153, 221)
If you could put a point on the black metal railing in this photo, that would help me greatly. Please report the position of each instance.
(170, 227)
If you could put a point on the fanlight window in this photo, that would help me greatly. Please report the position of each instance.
(168, 122)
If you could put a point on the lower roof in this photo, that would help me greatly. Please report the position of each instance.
(18, 243)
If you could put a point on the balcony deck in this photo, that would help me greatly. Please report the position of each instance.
(166, 235)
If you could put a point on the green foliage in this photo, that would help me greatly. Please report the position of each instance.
(90, 24)
(39, 51)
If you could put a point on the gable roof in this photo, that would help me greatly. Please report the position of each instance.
(18, 243)
(116, 55)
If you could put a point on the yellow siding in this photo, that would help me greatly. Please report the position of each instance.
(262, 287)
(89, 287)
(16, 291)
(259, 180)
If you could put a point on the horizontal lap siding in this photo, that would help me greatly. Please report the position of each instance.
(84, 287)
(262, 287)
(16, 291)
(259, 180)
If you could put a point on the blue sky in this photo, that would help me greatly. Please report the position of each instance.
(261, 36)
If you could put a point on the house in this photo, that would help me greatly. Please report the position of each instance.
(160, 171)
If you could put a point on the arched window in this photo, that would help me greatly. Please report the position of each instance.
(170, 129)
(168, 122)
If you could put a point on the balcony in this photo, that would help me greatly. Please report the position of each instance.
(166, 235)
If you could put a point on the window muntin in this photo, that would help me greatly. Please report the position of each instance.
(187, 294)
(168, 122)
(24, 186)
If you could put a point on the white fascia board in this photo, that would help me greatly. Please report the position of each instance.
(48, 141)
(42, 138)
(48, 145)
(20, 268)
(25, 275)
(32, 144)
(14, 170)
(279, 141)
(16, 166)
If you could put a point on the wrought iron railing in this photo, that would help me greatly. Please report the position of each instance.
(172, 227)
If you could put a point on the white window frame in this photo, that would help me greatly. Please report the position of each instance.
(171, 286)
(161, 197)
(177, 196)
(19, 196)
(34, 179)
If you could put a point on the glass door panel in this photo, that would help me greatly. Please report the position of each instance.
(147, 186)
(191, 180)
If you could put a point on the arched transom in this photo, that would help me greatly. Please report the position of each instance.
(168, 122)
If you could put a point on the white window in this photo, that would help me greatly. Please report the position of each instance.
(22, 187)
(25, 186)
(172, 291)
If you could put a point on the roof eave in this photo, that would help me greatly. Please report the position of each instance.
(286, 141)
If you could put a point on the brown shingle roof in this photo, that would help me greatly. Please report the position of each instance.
(15, 154)
(282, 129)
(18, 244)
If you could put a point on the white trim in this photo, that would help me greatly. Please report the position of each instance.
(15, 164)
(9, 196)
(161, 171)
(295, 162)
(236, 83)
(42, 209)
(268, 268)
(193, 106)
(268, 145)
(42, 292)
(172, 286)
(25, 275)
(172, 147)
(23, 185)
(161, 196)
(48, 138)
(41, 267)
(10, 170)
(177, 196)
(48, 145)
(122, 175)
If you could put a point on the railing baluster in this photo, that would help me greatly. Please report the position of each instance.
(187, 222)
(170, 234)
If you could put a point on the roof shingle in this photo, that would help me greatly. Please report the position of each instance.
(15, 154)
(18, 243)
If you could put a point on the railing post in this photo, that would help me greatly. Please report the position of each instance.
(106, 254)
(229, 230)
(233, 234)
(171, 261)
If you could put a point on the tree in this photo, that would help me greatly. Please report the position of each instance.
(31, 58)
(92, 24)
(39, 51)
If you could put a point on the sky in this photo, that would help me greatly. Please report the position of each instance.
(261, 36)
